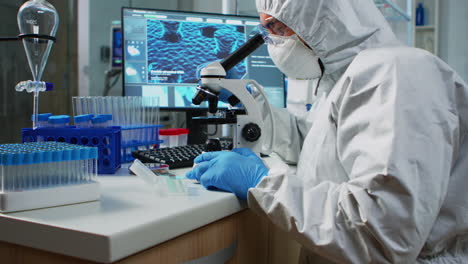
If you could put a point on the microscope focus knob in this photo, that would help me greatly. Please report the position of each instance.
(251, 132)
(213, 144)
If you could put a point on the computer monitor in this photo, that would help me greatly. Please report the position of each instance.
(162, 50)
(116, 45)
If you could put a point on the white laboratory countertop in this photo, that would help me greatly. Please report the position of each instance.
(130, 217)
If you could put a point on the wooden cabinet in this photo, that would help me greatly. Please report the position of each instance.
(254, 238)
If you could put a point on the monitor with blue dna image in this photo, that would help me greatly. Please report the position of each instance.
(162, 50)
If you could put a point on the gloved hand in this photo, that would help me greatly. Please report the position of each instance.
(234, 171)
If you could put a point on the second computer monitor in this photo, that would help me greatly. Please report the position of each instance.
(162, 50)
(116, 45)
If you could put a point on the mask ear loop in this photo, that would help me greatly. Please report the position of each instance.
(322, 68)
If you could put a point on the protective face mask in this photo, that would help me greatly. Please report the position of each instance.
(293, 58)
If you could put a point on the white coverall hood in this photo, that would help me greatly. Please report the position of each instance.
(382, 159)
(337, 30)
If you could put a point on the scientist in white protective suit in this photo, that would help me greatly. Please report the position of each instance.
(382, 157)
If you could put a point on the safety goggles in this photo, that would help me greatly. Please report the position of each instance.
(273, 31)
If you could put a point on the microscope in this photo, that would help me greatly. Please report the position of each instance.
(249, 127)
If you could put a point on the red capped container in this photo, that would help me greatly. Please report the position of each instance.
(173, 137)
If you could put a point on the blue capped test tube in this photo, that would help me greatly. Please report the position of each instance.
(59, 120)
(42, 119)
(37, 165)
(101, 121)
(82, 121)
(107, 118)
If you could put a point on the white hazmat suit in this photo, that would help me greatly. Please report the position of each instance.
(382, 175)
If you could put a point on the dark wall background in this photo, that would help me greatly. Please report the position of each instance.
(61, 69)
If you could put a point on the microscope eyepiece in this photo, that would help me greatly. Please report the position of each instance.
(242, 52)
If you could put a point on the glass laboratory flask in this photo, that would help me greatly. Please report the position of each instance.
(38, 22)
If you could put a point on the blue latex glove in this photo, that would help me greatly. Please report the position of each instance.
(234, 171)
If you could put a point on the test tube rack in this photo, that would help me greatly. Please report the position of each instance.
(138, 138)
(138, 116)
(46, 174)
(107, 140)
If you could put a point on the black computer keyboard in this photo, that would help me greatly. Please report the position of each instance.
(176, 157)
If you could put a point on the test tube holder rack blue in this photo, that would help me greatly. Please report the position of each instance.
(107, 140)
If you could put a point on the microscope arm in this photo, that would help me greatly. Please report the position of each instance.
(249, 127)
(211, 74)
(253, 115)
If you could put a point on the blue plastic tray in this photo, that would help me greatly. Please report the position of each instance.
(108, 141)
